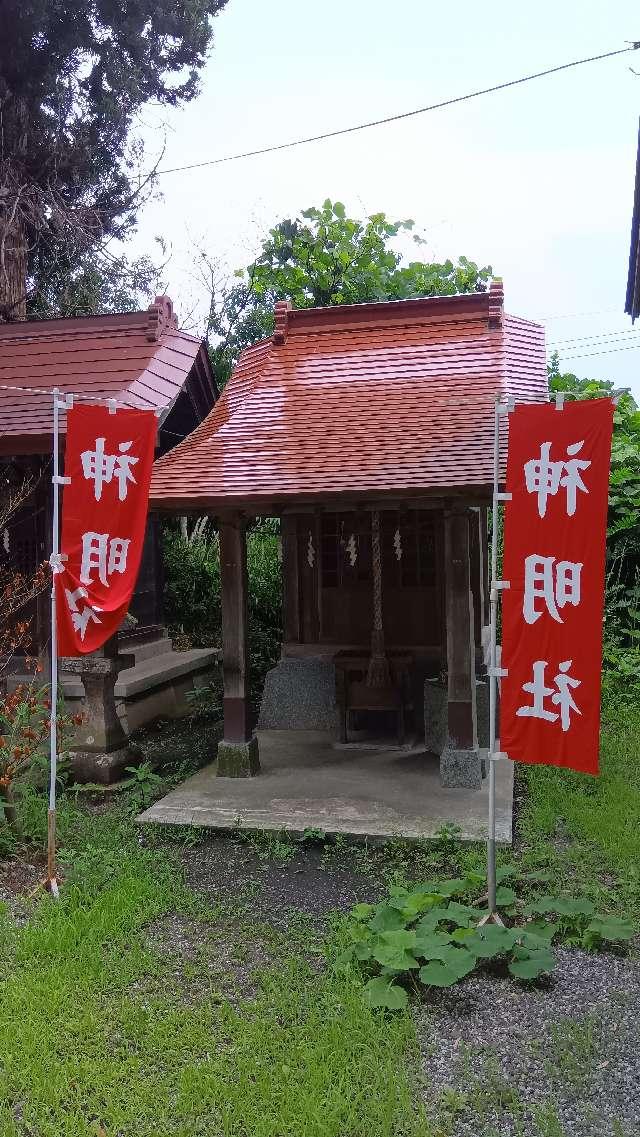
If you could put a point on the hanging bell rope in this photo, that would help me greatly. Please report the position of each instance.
(378, 674)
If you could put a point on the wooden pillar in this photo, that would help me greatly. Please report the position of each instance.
(461, 684)
(235, 660)
(290, 579)
(484, 563)
(475, 557)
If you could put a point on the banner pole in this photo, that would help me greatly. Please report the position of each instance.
(493, 666)
(52, 882)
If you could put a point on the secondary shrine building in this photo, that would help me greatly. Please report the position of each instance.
(368, 430)
(140, 359)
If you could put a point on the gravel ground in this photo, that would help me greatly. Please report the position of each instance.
(561, 1059)
(550, 1061)
(498, 1059)
(18, 881)
(229, 870)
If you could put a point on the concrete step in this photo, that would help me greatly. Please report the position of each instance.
(150, 673)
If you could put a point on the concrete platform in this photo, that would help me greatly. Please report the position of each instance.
(306, 783)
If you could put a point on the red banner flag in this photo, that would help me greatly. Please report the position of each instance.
(108, 459)
(552, 608)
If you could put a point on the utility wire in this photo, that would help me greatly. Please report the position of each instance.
(596, 338)
(609, 351)
(397, 117)
(575, 315)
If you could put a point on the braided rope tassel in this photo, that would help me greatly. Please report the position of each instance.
(378, 674)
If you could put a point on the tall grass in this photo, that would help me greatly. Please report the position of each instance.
(603, 810)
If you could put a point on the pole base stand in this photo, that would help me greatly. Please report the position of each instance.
(460, 769)
(490, 918)
(238, 759)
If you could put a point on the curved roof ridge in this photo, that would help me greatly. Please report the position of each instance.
(244, 379)
(379, 404)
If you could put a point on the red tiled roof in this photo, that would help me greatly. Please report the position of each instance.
(139, 358)
(357, 400)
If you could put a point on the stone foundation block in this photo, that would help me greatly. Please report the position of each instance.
(435, 716)
(482, 712)
(238, 759)
(101, 767)
(461, 769)
(300, 694)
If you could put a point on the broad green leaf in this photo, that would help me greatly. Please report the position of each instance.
(532, 964)
(611, 928)
(453, 887)
(491, 940)
(400, 939)
(394, 960)
(505, 896)
(458, 959)
(362, 951)
(380, 992)
(438, 975)
(430, 922)
(362, 911)
(538, 935)
(460, 914)
(474, 880)
(387, 919)
(411, 904)
(431, 946)
(566, 906)
(461, 935)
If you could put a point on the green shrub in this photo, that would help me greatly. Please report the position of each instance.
(192, 593)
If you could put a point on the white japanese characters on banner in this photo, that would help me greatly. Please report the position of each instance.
(554, 550)
(108, 462)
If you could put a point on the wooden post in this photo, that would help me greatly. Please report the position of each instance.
(233, 582)
(290, 579)
(475, 554)
(461, 685)
(484, 563)
(238, 751)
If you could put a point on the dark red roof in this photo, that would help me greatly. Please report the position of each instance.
(357, 400)
(141, 359)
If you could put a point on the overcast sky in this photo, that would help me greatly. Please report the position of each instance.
(536, 180)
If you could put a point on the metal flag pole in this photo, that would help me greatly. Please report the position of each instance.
(55, 561)
(501, 408)
(493, 679)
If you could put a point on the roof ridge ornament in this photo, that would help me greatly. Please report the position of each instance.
(496, 302)
(281, 311)
(160, 318)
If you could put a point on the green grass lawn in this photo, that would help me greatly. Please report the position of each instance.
(586, 828)
(103, 1033)
(96, 1035)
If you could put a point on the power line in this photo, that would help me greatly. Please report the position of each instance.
(610, 351)
(576, 315)
(598, 337)
(397, 117)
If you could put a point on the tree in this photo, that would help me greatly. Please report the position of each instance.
(94, 285)
(73, 75)
(323, 258)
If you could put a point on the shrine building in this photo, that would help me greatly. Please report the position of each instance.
(368, 430)
(140, 359)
